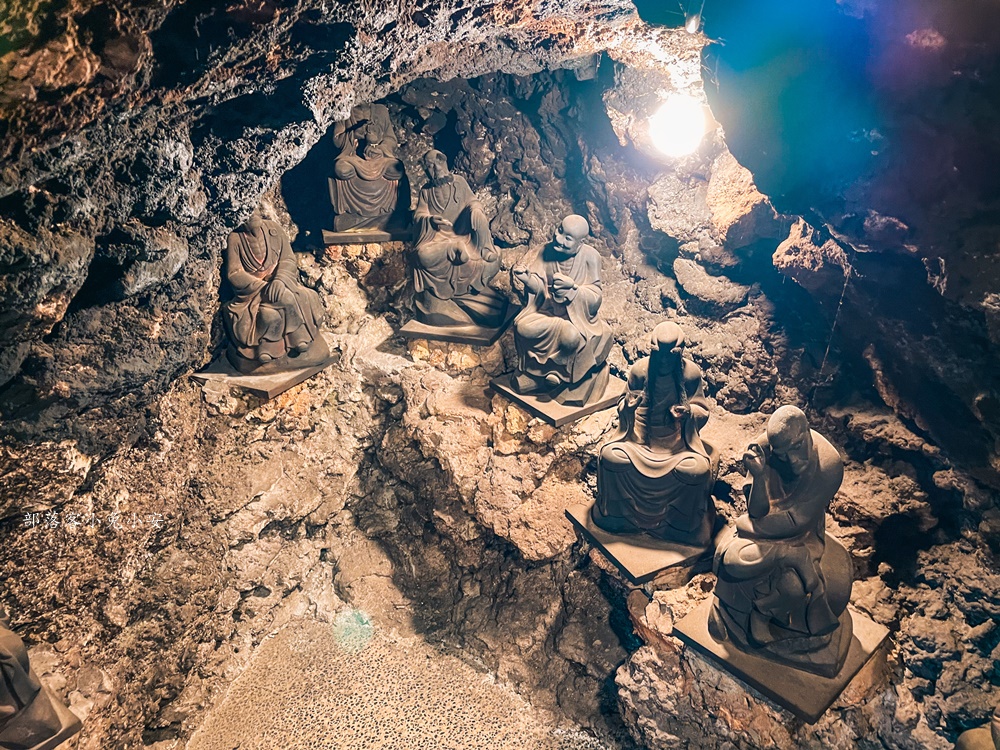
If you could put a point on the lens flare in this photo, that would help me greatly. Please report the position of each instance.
(678, 126)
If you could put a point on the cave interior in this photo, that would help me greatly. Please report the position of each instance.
(379, 556)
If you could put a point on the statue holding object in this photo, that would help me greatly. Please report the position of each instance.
(783, 585)
(454, 259)
(562, 344)
(273, 321)
(655, 475)
(369, 189)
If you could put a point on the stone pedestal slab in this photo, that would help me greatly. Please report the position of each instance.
(554, 413)
(639, 557)
(262, 386)
(471, 334)
(806, 695)
(364, 236)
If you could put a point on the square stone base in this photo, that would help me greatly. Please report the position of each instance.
(471, 334)
(554, 413)
(638, 556)
(70, 725)
(20, 730)
(364, 236)
(262, 386)
(806, 695)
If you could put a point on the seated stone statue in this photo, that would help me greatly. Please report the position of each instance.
(369, 177)
(28, 716)
(986, 737)
(454, 258)
(562, 345)
(272, 321)
(656, 473)
(783, 585)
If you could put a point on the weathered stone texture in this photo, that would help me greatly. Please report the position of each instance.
(393, 481)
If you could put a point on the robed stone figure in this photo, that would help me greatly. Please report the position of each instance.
(783, 584)
(562, 344)
(369, 177)
(29, 716)
(272, 321)
(454, 257)
(655, 475)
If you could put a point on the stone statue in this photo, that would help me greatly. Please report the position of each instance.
(29, 718)
(369, 176)
(783, 585)
(454, 258)
(562, 345)
(656, 473)
(272, 321)
(986, 737)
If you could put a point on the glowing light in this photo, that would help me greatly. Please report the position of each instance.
(678, 126)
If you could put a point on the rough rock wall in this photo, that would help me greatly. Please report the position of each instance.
(165, 547)
(119, 188)
(877, 123)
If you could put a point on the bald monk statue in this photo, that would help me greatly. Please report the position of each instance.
(369, 176)
(986, 737)
(29, 718)
(272, 321)
(562, 345)
(454, 258)
(655, 475)
(783, 585)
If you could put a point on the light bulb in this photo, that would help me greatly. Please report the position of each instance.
(678, 126)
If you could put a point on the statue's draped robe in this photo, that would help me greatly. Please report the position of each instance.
(366, 185)
(453, 268)
(775, 573)
(564, 339)
(254, 325)
(655, 475)
(18, 687)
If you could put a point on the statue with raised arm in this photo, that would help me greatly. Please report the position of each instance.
(562, 344)
(30, 719)
(783, 585)
(454, 259)
(655, 475)
(369, 178)
(272, 321)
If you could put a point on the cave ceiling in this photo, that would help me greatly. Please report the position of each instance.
(135, 133)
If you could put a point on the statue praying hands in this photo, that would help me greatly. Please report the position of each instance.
(784, 585)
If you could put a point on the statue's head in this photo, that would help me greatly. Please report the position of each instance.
(436, 164)
(668, 338)
(256, 220)
(790, 438)
(377, 126)
(570, 233)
